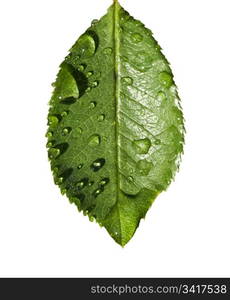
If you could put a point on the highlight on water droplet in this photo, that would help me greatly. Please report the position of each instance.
(104, 182)
(130, 178)
(144, 167)
(80, 166)
(137, 37)
(166, 79)
(50, 144)
(127, 80)
(101, 118)
(94, 140)
(81, 68)
(49, 134)
(108, 51)
(97, 192)
(89, 74)
(94, 84)
(82, 183)
(97, 164)
(142, 146)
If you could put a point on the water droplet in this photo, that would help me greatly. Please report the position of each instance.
(81, 68)
(49, 134)
(81, 184)
(143, 61)
(127, 80)
(53, 84)
(58, 180)
(166, 79)
(90, 183)
(104, 181)
(85, 45)
(108, 51)
(157, 142)
(97, 164)
(137, 37)
(54, 153)
(53, 121)
(78, 131)
(91, 218)
(55, 170)
(80, 166)
(142, 146)
(50, 144)
(88, 89)
(161, 97)
(94, 140)
(130, 178)
(93, 104)
(66, 130)
(101, 118)
(98, 192)
(144, 167)
(94, 22)
(89, 74)
(65, 113)
(63, 191)
(94, 84)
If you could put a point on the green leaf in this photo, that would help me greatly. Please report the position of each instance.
(116, 129)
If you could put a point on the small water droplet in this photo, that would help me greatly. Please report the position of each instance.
(93, 104)
(108, 51)
(94, 140)
(94, 22)
(78, 131)
(69, 100)
(161, 97)
(49, 134)
(130, 178)
(81, 68)
(89, 74)
(80, 166)
(97, 164)
(94, 84)
(63, 191)
(101, 118)
(81, 184)
(144, 167)
(90, 183)
(53, 121)
(104, 181)
(55, 170)
(88, 89)
(142, 146)
(137, 37)
(54, 153)
(143, 61)
(91, 218)
(66, 130)
(53, 84)
(50, 144)
(157, 142)
(97, 192)
(65, 113)
(58, 180)
(166, 79)
(127, 80)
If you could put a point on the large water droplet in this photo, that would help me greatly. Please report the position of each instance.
(97, 164)
(142, 146)
(144, 167)
(127, 80)
(53, 121)
(108, 51)
(85, 46)
(54, 153)
(101, 118)
(137, 37)
(94, 140)
(66, 130)
(166, 79)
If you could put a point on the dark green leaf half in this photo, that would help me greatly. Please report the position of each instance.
(115, 125)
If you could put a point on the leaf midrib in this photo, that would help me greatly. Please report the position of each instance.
(117, 101)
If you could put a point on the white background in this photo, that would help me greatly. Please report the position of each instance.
(186, 232)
